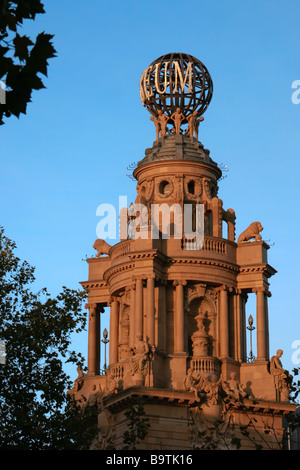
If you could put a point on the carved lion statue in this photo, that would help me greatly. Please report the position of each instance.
(251, 232)
(102, 247)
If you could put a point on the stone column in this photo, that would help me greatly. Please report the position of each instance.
(93, 340)
(132, 334)
(151, 310)
(179, 317)
(114, 330)
(231, 224)
(261, 329)
(244, 298)
(268, 294)
(162, 317)
(239, 326)
(138, 307)
(224, 326)
(217, 216)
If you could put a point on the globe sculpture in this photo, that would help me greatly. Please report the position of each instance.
(176, 89)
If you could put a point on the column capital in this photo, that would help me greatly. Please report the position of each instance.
(222, 288)
(178, 282)
(138, 277)
(91, 306)
(255, 290)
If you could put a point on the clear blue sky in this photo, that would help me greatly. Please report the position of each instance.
(71, 151)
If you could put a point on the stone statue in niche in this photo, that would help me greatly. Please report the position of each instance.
(200, 338)
(140, 355)
(233, 389)
(124, 332)
(282, 378)
(102, 247)
(251, 232)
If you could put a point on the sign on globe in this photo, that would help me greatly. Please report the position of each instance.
(176, 81)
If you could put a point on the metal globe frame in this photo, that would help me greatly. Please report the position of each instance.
(195, 95)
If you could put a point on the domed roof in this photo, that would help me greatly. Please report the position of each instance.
(178, 147)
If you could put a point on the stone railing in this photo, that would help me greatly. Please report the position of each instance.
(211, 245)
(117, 371)
(215, 245)
(120, 250)
(206, 366)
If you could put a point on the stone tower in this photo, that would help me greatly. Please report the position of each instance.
(177, 287)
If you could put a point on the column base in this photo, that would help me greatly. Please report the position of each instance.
(260, 359)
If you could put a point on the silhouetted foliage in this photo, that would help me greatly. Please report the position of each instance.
(35, 409)
(295, 386)
(138, 425)
(22, 59)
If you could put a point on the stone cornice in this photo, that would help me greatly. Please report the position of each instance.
(97, 284)
(119, 401)
(150, 254)
(118, 269)
(207, 262)
(265, 269)
(264, 407)
(258, 268)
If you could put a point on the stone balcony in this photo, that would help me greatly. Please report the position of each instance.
(217, 248)
(170, 259)
(207, 366)
(173, 259)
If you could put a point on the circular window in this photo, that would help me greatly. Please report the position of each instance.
(165, 188)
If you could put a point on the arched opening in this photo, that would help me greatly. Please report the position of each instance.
(202, 313)
(208, 223)
(225, 229)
